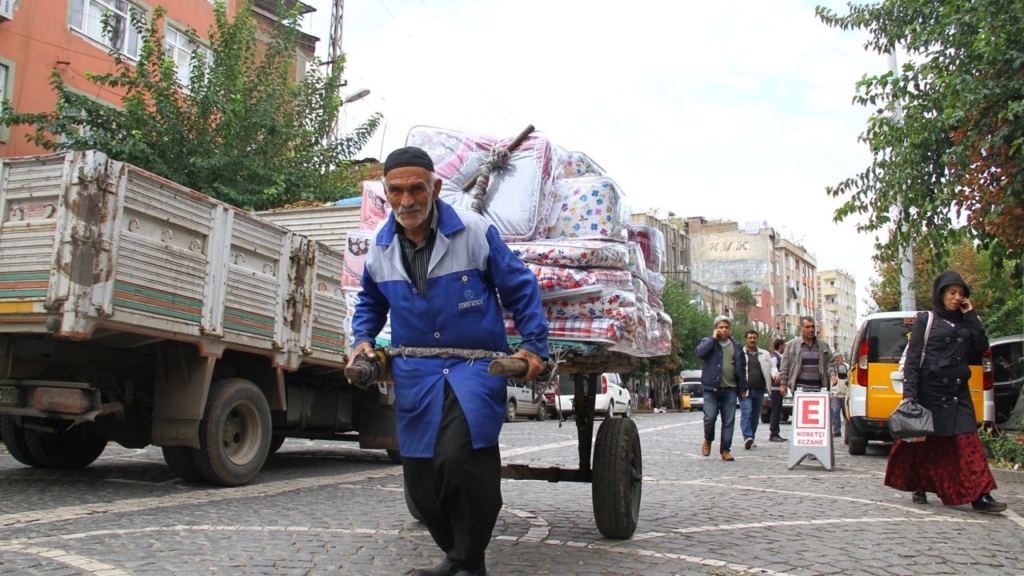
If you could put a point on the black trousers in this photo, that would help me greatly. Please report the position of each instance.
(458, 491)
(776, 413)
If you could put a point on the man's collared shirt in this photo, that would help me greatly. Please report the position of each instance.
(416, 256)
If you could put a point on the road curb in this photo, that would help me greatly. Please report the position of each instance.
(1004, 476)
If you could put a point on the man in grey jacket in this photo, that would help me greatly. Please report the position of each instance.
(807, 363)
(760, 372)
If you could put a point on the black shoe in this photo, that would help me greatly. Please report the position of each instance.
(919, 498)
(986, 503)
(442, 569)
(837, 434)
(464, 572)
(776, 439)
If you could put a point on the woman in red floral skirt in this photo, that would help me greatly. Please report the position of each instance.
(951, 461)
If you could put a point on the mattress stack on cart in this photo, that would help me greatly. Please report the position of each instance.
(568, 221)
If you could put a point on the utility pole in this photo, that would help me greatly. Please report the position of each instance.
(334, 52)
(908, 302)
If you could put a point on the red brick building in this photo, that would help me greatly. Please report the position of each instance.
(37, 36)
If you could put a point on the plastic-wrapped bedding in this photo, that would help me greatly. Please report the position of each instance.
(374, 206)
(573, 253)
(636, 265)
(605, 331)
(588, 208)
(607, 304)
(652, 244)
(655, 281)
(357, 244)
(557, 282)
(579, 165)
(519, 194)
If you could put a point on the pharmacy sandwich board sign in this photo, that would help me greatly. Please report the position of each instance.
(812, 429)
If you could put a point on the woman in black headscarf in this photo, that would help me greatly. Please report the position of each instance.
(950, 462)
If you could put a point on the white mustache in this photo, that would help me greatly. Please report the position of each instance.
(409, 210)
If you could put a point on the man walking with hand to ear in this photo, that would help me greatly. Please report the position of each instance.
(724, 379)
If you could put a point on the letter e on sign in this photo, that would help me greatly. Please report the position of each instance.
(810, 411)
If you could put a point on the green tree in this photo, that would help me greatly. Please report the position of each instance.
(956, 153)
(242, 131)
(999, 302)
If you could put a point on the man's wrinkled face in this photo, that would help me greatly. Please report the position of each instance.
(807, 330)
(411, 191)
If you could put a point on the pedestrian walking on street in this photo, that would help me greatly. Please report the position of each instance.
(439, 271)
(759, 373)
(951, 461)
(778, 391)
(839, 390)
(723, 380)
(807, 363)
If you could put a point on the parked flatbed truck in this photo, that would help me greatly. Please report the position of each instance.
(135, 310)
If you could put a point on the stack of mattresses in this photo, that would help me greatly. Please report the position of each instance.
(374, 209)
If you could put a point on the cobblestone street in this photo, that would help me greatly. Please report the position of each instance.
(329, 508)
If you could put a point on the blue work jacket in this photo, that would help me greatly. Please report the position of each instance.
(711, 374)
(469, 267)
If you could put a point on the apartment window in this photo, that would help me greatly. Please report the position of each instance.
(87, 17)
(185, 53)
(5, 78)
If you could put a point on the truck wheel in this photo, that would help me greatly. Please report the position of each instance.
(275, 444)
(395, 456)
(857, 442)
(765, 418)
(617, 478)
(510, 411)
(16, 443)
(67, 448)
(182, 461)
(234, 434)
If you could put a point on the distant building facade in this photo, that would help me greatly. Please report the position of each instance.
(837, 309)
(68, 36)
(725, 255)
(795, 285)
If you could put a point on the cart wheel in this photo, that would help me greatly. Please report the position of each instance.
(618, 478)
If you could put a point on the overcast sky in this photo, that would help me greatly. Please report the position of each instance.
(737, 110)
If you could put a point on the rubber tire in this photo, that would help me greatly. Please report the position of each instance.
(67, 449)
(766, 418)
(234, 434)
(617, 478)
(182, 461)
(413, 510)
(542, 412)
(275, 444)
(629, 411)
(395, 456)
(17, 443)
(610, 413)
(857, 443)
(510, 411)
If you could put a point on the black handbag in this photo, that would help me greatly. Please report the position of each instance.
(910, 420)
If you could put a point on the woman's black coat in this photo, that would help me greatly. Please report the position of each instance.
(941, 384)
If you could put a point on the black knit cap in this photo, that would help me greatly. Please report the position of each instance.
(408, 156)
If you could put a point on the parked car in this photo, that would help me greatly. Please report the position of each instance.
(693, 389)
(612, 399)
(520, 402)
(1008, 374)
(787, 406)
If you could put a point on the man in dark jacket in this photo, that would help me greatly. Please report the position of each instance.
(723, 379)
